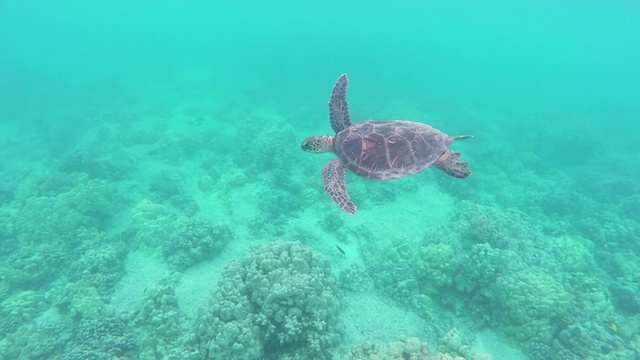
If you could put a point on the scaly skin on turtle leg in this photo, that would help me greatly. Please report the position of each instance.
(451, 163)
(334, 178)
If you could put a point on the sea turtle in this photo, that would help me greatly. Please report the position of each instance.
(379, 149)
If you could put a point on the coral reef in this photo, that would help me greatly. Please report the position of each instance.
(452, 342)
(33, 265)
(270, 146)
(573, 253)
(479, 268)
(6, 196)
(528, 302)
(100, 339)
(592, 340)
(101, 263)
(20, 309)
(280, 299)
(37, 342)
(95, 198)
(152, 224)
(168, 187)
(96, 165)
(397, 280)
(194, 241)
(413, 348)
(276, 203)
(626, 297)
(78, 301)
(159, 325)
(436, 265)
(48, 220)
(480, 224)
(355, 279)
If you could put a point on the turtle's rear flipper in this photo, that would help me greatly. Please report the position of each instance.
(451, 163)
(334, 178)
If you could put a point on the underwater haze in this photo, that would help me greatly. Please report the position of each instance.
(155, 202)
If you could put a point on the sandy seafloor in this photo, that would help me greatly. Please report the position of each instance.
(155, 202)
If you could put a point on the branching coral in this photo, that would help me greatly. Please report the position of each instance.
(280, 299)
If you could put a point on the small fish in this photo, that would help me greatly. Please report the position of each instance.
(614, 328)
(341, 251)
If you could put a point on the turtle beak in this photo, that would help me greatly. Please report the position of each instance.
(307, 145)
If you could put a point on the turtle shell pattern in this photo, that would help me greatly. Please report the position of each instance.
(390, 149)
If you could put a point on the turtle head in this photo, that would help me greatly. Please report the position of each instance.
(318, 144)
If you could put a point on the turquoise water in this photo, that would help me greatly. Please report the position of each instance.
(155, 202)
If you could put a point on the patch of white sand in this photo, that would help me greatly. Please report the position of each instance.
(367, 317)
(199, 282)
(489, 342)
(143, 271)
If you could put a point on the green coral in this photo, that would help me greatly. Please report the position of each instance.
(151, 224)
(281, 298)
(195, 240)
(43, 341)
(33, 265)
(589, 294)
(25, 305)
(573, 253)
(436, 265)
(159, 324)
(480, 267)
(50, 220)
(528, 302)
(94, 197)
(19, 310)
(412, 348)
(79, 301)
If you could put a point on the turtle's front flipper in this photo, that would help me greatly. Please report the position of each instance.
(451, 163)
(338, 106)
(334, 178)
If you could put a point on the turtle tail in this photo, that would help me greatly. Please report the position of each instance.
(461, 137)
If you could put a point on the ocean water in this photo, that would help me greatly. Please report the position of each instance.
(155, 202)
